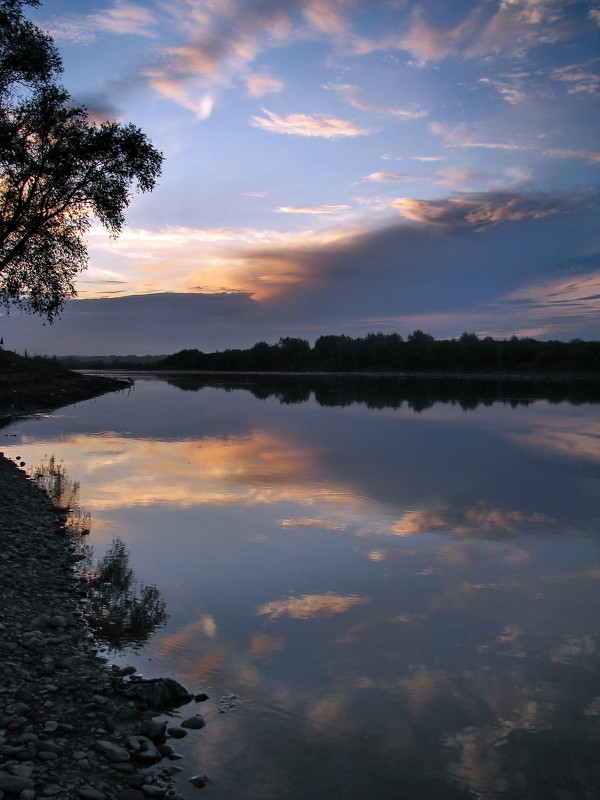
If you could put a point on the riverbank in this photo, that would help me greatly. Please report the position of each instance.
(70, 725)
(28, 385)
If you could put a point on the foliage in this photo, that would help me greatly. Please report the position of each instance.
(379, 352)
(52, 478)
(57, 171)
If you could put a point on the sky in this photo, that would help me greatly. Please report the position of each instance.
(338, 167)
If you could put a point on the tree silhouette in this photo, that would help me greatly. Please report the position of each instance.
(57, 171)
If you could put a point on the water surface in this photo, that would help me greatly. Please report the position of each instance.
(400, 592)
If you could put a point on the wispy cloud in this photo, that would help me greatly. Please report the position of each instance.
(521, 24)
(510, 87)
(359, 98)
(261, 83)
(389, 177)
(320, 125)
(122, 19)
(126, 18)
(327, 209)
(427, 42)
(456, 176)
(578, 78)
(461, 136)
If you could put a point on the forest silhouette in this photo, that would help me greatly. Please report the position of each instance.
(378, 352)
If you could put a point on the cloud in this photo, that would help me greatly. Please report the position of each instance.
(327, 209)
(562, 298)
(185, 94)
(259, 84)
(358, 98)
(311, 606)
(456, 176)
(510, 89)
(126, 18)
(452, 176)
(326, 16)
(319, 125)
(578, 80)
(427, 42)
(100, 108)
(480, 209)
(306, 522)
(521, 24)
(123, 19)
(389, 177)
(461, 136)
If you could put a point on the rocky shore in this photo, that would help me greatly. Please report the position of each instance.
(71, 726)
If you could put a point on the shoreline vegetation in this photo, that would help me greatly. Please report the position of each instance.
(419, 353)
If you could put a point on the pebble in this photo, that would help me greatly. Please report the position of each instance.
(112, 751)
(194, 723)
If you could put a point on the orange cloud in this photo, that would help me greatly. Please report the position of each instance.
(319, 125)
(311, 606)
(478, 518)
(478, 209)
(389, 177)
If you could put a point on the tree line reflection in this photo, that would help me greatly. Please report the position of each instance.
(418, 394)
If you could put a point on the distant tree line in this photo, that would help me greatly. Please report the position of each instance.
(379, 352)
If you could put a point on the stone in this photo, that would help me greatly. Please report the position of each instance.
(153, 791)
(153, 729)
(50, 789)
(131, 794)
(194, 723)
(89, 793)
(177, 732)
(149, 754)
(135, 781)
(199, 781)
(14, 783)
(112, 751)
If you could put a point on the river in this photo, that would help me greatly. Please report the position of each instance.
(386, 590)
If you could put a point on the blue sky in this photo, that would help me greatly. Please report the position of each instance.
(339, 166)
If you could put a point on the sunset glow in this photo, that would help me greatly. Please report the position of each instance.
(336, 166)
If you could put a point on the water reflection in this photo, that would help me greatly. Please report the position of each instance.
(392, 391)
(405, 604)
(120, 613)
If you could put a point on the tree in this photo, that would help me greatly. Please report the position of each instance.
(57, 171)
(27, 55)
